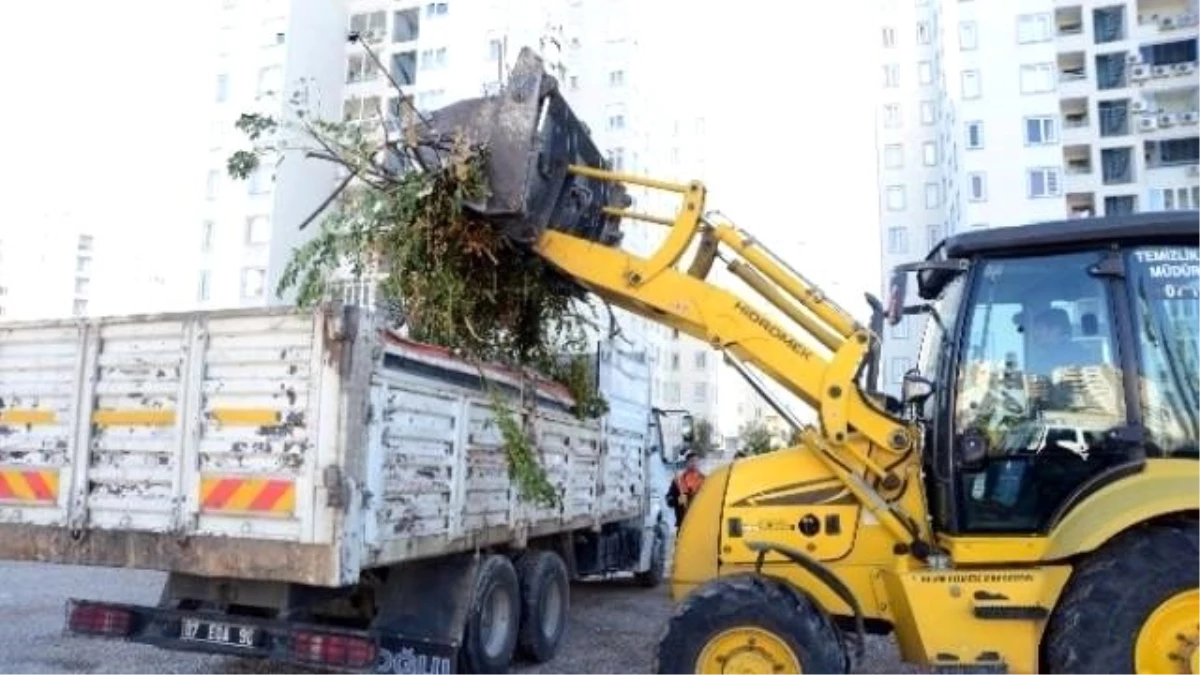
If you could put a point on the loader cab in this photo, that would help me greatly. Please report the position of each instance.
(1057, 358)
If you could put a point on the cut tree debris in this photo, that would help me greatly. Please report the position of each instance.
(452, 277)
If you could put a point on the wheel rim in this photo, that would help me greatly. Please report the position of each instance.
(747, 650)
(494, 621)
(1167, 641)
(552, 610)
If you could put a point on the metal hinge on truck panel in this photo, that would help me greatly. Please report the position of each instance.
(82, 428)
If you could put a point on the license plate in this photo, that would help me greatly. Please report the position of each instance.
(215, 632)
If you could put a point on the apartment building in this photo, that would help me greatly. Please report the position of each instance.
(46, 270)
(995, 114)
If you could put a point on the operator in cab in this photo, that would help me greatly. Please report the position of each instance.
(684, 488)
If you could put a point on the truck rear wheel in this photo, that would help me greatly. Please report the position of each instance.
(545, 599)
(490, 636)
(1131, 607)
(749, 624)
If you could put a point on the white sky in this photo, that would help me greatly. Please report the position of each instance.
(105, 112)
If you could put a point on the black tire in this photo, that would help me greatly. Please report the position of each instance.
(483, 649)
(1095, 627)
(545, 602)
(653, 576)
(750, 601)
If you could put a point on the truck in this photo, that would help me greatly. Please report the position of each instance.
(319, 489)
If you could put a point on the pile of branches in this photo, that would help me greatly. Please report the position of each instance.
(451, 277)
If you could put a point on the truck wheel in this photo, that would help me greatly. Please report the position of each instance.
(545, 599)
(749, 624)
(1131, 607)
(490, 636)
(652, 577)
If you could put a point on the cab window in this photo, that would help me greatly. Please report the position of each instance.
(1162, 282)
(1038, 387)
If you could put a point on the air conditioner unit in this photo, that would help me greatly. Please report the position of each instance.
(1162, 71)
(1133, 58)
(1166, 22)
(1139, 105)
(1185, 68)
(1166, 119)
(1147, 123)
(1193, 170)
(1192, 117)
(1139, 72)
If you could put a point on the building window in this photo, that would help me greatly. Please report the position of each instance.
(406, 25)
(893, 156)
(891, 116)
(432, 59)
(924, 33)
(897, 240)
(928, 112)
(370, 27)
(260, 181)
(258, 230)
(900, 366)
(1044, 182)
(82, 285)
(971, 88)
(616, 78)
(206, 236)
(1120, 205)
(1033, 28)
(79, 307)
(270, 81)
(85, 242)
(968, 36)
(436, 9)
(974, 135)
(929, 153)
(1111, 72)
(1108, 23)
(933, 235)
(617, 157)
(495, 49)
(1040, 131)
(889, 36)
(895, 198)
(211, 188)
(202, 286)
(700, 392)
(891, 76)
(925, 72)
(977, 186)
(674, 360)
(1116, 165)
(83, 264)
(1037, 78)
(933, 196)
(671, 392)
(701, 360)
(1114, 117)
(404, 68)
(1175, 199)
(900, 330)
(254, 282)
(360, 68)
(222, 88)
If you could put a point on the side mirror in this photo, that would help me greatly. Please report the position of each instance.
(897, 286)
(688, 429)
(971, 450)
(915, 389)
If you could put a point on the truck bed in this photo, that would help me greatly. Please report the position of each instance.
(293, 445)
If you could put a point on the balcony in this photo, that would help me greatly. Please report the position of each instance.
(1076, 122)
(1157, 19)
(1078, 174)
(1081, 204)
(1163, 66)
(1178, 155)
(1167, 113)
(1068, 29)
(1072, 74)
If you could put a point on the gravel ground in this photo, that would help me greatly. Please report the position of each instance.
(613, 628)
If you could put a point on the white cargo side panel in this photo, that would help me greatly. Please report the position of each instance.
(624, 381)
(39, 368)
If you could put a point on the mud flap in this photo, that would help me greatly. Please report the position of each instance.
(532, 136)
(423, 609)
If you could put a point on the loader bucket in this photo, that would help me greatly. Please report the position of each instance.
(532, 136)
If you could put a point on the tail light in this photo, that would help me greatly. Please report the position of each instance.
(94, 619)
(334, 650)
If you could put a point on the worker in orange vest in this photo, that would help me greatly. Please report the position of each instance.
(684, 488)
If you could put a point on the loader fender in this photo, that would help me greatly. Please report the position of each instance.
(696, 548)
(1162, 487)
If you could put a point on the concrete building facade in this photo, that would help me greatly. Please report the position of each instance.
(997, 114)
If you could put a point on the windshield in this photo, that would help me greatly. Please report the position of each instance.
(1166, 308)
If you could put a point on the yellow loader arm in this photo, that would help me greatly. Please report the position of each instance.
(548, 191)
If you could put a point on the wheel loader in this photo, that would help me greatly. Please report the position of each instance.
(1028, 503)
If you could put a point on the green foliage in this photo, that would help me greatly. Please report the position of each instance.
(756, 438)
(453, 277)
(702, 437)
(523, 466)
